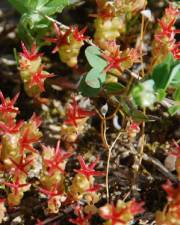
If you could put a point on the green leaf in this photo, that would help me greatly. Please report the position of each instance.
(95, 78)
(138, 116)
(176, 94)
(167, 73)
(31, 4)
(19, 5)
(53, 6)
(161, 76)
(25, 34)
(93, 56)
(41, 3)
(175, 76)
(132, 111)
(33, 24)
(174, 109)
(87, 91)
(161, 94)
(113, 87)
(161, 73)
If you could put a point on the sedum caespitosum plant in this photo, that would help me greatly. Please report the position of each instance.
(170, 215)
(68, 44)
(83, 184)
(121, 213)
(81, 218)
(75, 122)
(17, 152)
(111, 17)
(130, 7)
(53, 176)
(32, 71)
(116, 72)
(107, 24)
(165, 41)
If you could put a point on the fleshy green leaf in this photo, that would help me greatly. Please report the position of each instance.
(93, 56)
(95, 78)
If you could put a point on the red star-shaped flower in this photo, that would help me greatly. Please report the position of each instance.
(32, 54)
(15, 186)
(59, 157)
(21, 166)
(37, 79)
(136, 207)
(79, 35)
(88, 170)
(170, 190)
(7, 105)
(53, 192)
(60, 39)
(27, 140)
(11, 127)
(81, 219)
(134, 127)
(167, 30)
(75, 112)
(176, 50)
(113, 214)
(114, 61)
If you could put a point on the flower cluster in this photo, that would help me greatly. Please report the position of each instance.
(165, 41)
(130, 7)
(52, 176)
(81, 219)
(171, 214)
(108, 24)
(68, 44)
(120, 61)
(17, 152)
(83, 185)
(74, 124)
(19, 158)
(133, 129)
(111, 21)
(122, 213)
(32, 71)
